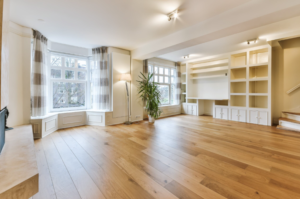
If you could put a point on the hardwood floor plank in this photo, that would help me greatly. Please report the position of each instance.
(107, 186)
(46, 189)
(84, 184)
(180, 191)
(62, 182)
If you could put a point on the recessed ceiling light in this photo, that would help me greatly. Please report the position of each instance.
(252, 41)
(173, 15)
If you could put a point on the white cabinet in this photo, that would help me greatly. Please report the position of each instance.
(221, 113)
(238, 115)
(258, 117)
(190, 109)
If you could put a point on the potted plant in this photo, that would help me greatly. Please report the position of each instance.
(148, 91)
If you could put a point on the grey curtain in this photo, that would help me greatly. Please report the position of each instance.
(178, 83)
(39, 75)
(100, 79)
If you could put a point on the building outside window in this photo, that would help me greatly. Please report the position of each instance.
(165, 77)
(68, 82)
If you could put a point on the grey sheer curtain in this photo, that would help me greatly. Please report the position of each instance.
(178, 83)
(100, 79)
(39, 75)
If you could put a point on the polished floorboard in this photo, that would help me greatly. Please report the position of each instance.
(182, 157)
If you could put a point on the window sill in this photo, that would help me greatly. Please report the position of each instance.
(165, 106)
(65, 112)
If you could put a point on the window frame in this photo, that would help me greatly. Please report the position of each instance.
(63, 68)
(153, 65)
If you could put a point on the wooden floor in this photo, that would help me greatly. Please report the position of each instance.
(178, 157)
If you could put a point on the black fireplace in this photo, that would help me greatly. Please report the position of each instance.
(3, 114)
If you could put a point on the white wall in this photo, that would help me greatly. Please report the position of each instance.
(19, 76)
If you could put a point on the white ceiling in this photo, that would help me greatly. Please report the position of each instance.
(125, 24)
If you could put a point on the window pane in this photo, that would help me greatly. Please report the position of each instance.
(167, 80)
(70, 62)
(55, 73)
(68, 95)
(150, 69)
(164, 94)
(155, 78)
(81, 75)
(161, 71)
(82, 64)
(55, 60)
(155, 69)
(172, 80)
(69, 74)
(161, 79)
(167, 71)
(172, 72)
(172, 101)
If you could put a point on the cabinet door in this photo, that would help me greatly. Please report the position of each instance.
(195, 112)
(235, 114)
(185, 109)
(218, 113)
(263, 118)
(253, 117)
(225, 113)
(190, 109)
(242, 115)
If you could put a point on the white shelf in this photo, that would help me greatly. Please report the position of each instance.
(183, 93)
(258, 94)
(259, 64)
(210, 64)
(237, 93)
(211, 76)
(238, 80)
(215, 69)
(183, 83)
(259, 79)
(183, 73)
(201, 98)
(237, 67)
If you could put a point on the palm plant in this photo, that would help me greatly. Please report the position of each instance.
(149, 92)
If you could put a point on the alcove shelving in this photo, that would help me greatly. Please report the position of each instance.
(258, 86)
(258, 72)
(209, 69)
(238, 73)
(258, 56)
(238, 87)
(258, 101)
(221, 102)
(238, 100)
(238, 60)
(250, 84)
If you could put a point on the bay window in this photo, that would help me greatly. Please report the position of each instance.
(68, 82)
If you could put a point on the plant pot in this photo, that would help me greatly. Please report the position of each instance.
(151, 119)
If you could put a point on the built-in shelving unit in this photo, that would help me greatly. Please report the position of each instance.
(250, 84)
(234, 86)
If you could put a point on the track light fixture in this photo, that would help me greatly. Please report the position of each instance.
(172, 15)
(186, 56)
(252, 41)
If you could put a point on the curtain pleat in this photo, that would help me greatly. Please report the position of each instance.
(100, 79)
(39, 75)
(178, 83)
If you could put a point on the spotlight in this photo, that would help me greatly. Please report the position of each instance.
(172, 15)
(252, 41)
(186, 56)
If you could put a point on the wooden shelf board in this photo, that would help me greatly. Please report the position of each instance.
(211, 76)
(216, 69)
(258, 79)
(259, 64)
(258, 94)
(238, 67)
(238, 80)
(210, 64)
(237, 93)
